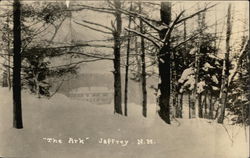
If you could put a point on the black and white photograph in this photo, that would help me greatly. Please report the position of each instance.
(124, 79)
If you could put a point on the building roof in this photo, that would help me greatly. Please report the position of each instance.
(90, 90)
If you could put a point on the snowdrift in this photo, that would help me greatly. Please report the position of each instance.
(62, 118)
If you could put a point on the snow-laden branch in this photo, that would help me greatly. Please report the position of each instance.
(168, 34)
(242, 54)
(156, 38)
(149, 24)
(95, 29)
(143, 35)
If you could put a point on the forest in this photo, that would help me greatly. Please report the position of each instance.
(205, 62)
(181, 66)
(195, 55)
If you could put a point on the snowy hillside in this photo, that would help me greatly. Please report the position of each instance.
(62, 119)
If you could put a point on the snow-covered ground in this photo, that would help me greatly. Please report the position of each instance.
(61, 118)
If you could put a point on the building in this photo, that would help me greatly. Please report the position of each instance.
(95, 95)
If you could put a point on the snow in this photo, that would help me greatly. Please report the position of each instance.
(200, 86)
(215, 88)
(188, 79)
(186, 73)
(67, 3)
(192, 51)
(214, 57)
(207, 66)
(62, 118)
(215, 80)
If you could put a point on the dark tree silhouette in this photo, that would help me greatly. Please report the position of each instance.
(17, 103)
(164, 62)
(143, 69)
(117, 59)
(127, 68)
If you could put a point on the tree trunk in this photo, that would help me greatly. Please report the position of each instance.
(117, 60)
(126, 69)
(164, 65)
(5, 79)
(138, 70)
(143, 72)
(224, 88)
(200, 106)
(205, 105)
(211, 107)
(9, 58)
(175, 95)
(164, 86)
(17, 104)
(180, 106)
(185, 44)
(189, 106)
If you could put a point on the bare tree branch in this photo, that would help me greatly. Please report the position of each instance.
(192, 37)
(93, 28)
(172, 26)
(242, 54)
(158, 39)
(92, 23)
(75, 63)
(194, 14)
(91, 55)
(83, 45)
(56, 29)
(98, 9)
(142, 35)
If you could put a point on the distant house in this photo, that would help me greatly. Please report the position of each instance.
(107, 80)
(95, 95)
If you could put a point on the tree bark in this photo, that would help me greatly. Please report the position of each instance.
(211, 107)
(9, 57)
(17, 103)
(117, 60)
(224, 88)
(126, 69)
(143, 70)
(189, 106)
(164, 86)
(205, 105)
(200, 106)
(180, 106)
(164, 64)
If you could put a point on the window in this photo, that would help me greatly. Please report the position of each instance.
(104, 94)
